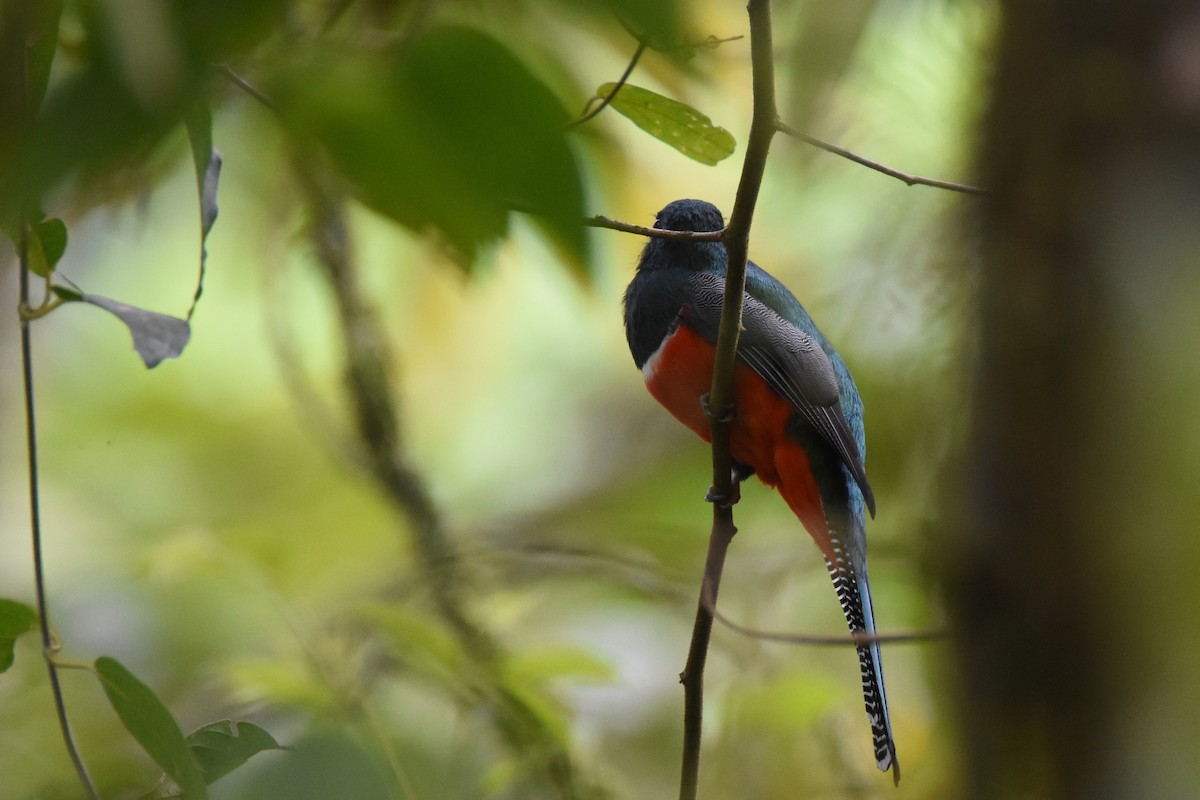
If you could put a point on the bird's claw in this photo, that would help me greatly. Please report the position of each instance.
(738, 474)
(716, 415)
(712, 496)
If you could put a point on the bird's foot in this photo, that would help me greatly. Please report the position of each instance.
(716, 414)
(735, 494)
(739, 473)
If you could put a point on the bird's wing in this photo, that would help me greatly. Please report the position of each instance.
(789, 360)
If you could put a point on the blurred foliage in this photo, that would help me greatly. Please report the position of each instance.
(15, 619)
(203, 523)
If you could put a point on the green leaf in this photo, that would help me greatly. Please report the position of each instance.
(538, 665)
(321, 766)
(786, 703)
(15, 619)
(659, 23)
(35, 253)
(151, 724)
(221, 747)
(423, 644)
(673, 122)
(45, 243)
(67, 294)
(41, 40)
(656, 23)
(451, 132)
(28, 43)
(207, 162)
(53, 236)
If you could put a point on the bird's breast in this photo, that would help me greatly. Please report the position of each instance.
(679, 373)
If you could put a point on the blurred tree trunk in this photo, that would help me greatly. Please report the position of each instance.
(1078, 590)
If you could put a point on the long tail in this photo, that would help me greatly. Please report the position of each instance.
(854, 593)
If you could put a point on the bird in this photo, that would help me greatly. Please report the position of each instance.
(798, 418)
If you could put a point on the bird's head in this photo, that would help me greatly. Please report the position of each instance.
(686, 215)
(689, 215)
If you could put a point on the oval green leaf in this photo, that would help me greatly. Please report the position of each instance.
(45, 244)
(673, 122)
(15, 619)
(151, 724)
(53, 236)
(221, 747)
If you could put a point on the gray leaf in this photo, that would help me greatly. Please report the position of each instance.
(155, 336)
(207, 162)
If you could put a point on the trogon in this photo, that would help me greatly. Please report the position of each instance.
(798, 419)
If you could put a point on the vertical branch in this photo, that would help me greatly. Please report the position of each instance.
(370, 393)
(35, 522)
(33, 27)
(692, 676)
(369, 390)
(719, 403)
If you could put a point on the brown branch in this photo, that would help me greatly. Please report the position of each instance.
(854, 639)
(908, 178)
(719, 402)
(369, 389)
(589, 110)
(692, 677)
(599, 221)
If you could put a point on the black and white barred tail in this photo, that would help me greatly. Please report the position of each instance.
(854, 593)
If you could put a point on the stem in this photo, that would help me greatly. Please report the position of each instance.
(692, 676)
(600, 221)
(833, 640)
(593, 110)
(35, 523)
(907, 177)
(719, 404)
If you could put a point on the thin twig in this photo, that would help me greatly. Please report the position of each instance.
(49, 646)
(908, 178)
(719, 402)
(710, 42)
(245, 86)
(600, 221)
(595, 105)
(589, 110)
(853, 639)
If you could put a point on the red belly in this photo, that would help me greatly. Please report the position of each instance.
(681, 372)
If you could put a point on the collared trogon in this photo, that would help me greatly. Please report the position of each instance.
(797, 414)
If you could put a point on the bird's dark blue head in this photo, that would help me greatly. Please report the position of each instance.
(689, 215)
(685, 215)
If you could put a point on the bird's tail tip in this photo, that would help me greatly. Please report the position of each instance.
(889, 762)
(855, 595)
